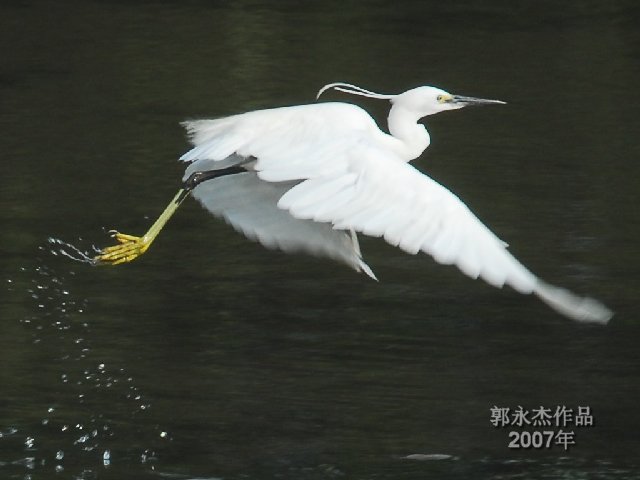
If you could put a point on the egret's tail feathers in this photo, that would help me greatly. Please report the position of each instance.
(366, 269)
(580, 309)
(359, 265)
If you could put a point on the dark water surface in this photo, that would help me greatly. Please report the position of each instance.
(214, 358)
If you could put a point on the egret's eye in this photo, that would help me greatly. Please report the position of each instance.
(440, 98)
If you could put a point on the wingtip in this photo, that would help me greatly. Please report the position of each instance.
(580, 309)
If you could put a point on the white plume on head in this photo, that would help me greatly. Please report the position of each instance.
(354, 90)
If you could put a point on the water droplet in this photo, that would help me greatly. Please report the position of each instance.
(106, 458)
(163, 434)
(8, 431)
(59, 455)
(59, 468)
(29, 442)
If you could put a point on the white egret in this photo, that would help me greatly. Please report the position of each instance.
(310, 177)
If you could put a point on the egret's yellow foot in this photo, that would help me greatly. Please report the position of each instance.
(129, 248)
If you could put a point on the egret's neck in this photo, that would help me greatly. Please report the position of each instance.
(413, 137)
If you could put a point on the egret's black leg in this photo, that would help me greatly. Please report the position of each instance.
(197, 178)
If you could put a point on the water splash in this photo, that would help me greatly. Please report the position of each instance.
(79, 428)
(60, 247)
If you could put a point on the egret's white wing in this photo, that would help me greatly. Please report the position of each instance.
(354, 181)
(249, 205)
(289, 143)
(380, 195)
(293, 143)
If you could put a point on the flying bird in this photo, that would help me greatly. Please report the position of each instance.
(311, 177)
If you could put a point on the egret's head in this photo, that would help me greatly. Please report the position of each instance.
(421, 101)
(429, 100)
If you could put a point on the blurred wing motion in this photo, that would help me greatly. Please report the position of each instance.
(249, 205)
(320, 172)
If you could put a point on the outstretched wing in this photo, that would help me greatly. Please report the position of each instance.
(381, 196)
(345, 174)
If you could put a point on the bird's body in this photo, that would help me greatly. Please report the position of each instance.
(310, 177)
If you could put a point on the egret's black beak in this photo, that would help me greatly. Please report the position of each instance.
(469, 101)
